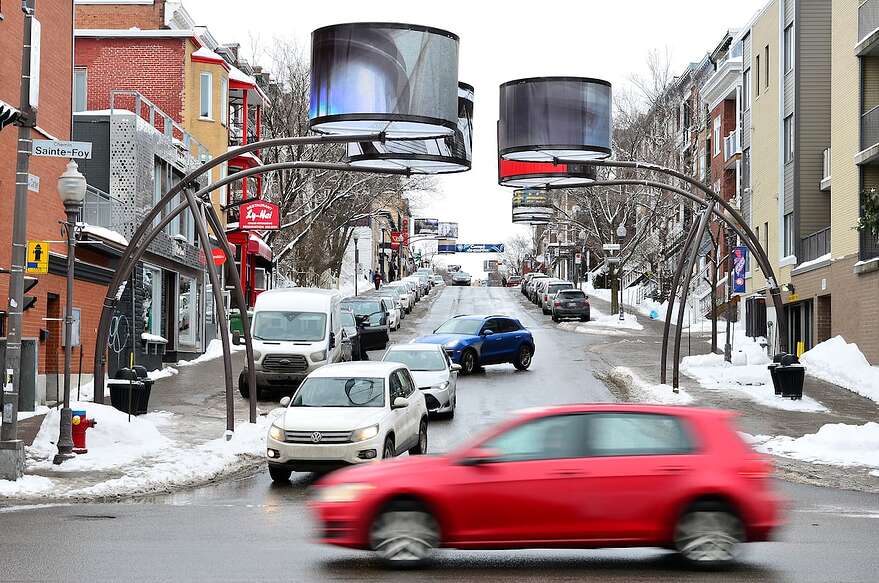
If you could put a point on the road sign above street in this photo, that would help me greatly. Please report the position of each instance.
(611, 247)
(62, 149)
(38, 257)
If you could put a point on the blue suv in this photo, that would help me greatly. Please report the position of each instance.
(474, 341)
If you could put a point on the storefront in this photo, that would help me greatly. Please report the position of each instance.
(253, 260)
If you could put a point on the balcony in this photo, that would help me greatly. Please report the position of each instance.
(732, 149)
(815, 246)
(868, 28)
(825, 180)
(97, 208)
(869, 137)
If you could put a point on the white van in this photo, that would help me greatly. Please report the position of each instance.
(295, 331)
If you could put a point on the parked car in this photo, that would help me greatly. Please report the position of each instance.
(295, 331)
(402, 294)
(392, 310)
(576, 476)
(537, 288)
(526, 280)
(437, 280)
(474, 341)
(532, 284)
(436, 376)
(347, 414)
(416, 281)
(571, 303)
(394, 294)
(372, 312)
(461, 278)
(351, 349)
(514, 281)
(548, 294)
(411, 290)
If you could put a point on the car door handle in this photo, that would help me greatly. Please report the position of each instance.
(568, 473)
(673, 469)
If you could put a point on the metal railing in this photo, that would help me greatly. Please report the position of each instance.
(97, 207)
(815, 245)
(870, 128)
(732, 145)
(868, 18)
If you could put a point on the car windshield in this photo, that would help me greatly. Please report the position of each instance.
(364, 308)
(572, 294)
(460, 326)
(462, 274)
(417, 359)
(289, 326)
(347, 319)
(558, 287)
(340, 392)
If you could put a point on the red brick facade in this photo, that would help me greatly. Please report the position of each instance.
(142, 16)
(152, 66)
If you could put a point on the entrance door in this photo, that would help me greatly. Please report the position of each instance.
(800, 326)
(54, 355)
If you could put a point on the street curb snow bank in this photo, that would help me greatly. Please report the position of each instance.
(840, 363)
(637, 390)
(836, 444)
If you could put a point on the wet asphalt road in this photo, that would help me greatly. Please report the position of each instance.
(251, 530)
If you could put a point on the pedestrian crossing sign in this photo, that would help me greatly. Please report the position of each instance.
(37, 257)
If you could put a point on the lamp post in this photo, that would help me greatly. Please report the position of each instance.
(71, 189)
(356, 260)
(621, 234)
(581, 237)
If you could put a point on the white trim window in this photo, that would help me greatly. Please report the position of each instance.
(789, 47)
(788, 234)
(224, 100)
(206, 86)
(718, 140)
(152, 302)
(789, 139)
(80, 89)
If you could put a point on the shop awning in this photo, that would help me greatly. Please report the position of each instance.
(256, 246)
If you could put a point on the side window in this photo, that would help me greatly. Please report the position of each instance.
(408, 383)
(510, 325)
(396, 389)
(557, 437)
(492, 324)
(625, 434)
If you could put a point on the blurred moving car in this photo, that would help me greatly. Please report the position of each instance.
(346, 414)
(371, 311)
(474, 341)
(570, 303)
(577, 476)
(461, 278)
(548, 292)
(436, 376)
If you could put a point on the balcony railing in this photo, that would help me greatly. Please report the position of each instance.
(825, 177)
(870, 128)
(97, 208)
(732, 145)
(868, 18)
(158, 119)
(815, 245)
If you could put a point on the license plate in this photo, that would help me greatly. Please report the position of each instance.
(571, 304)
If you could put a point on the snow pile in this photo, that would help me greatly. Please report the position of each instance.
(645, 306)
(834, 444)
(643, 392)
(214, 351)
(26, 486)
(750, 380)
(147, 337)
(38, 410)
(606, 323)
(843, 364)
(164, 373)
(103, 233)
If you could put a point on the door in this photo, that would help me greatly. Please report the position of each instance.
(399, 420)
(639, 463)
(413, 411)
(511, 338)
(534, 491)
(492, 345)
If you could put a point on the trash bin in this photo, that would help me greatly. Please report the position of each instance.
(235, 321)
(779, 360)
(128, 380)
(790, 380)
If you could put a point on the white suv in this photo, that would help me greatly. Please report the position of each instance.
(346, 414)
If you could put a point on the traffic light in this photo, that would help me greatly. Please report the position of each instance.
(29, 301)
(8, 114)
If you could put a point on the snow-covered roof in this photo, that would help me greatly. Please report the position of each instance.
(96, 112)
(103, 233)
(254, 159)
(236, 75)
(206, 54)
(134, 33)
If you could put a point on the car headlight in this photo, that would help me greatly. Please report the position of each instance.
(256, 355)
(451, 344)
(276, 433)
(339, 493)
(318, 356)
(442, 386)
(364, 433)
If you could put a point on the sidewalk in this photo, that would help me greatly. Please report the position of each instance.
(760, 415)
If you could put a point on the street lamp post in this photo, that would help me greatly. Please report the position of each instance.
(356, 260)
(621, 234)
(581, 237)
(71, 189)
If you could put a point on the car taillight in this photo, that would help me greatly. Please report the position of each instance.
(557, 303)
(756, 468)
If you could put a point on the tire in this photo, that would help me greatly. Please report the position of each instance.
(469, 362)
(584, 318)
(242, 385)
(388, 452)
(404, 534)
(555, 318)
(523, 357)
(280, 475)
(708, 535)
(421, 448)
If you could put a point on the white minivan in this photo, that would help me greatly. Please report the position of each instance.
(295, 331)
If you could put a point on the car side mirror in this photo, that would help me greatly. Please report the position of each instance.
(487, 332)
(236, 338)
(480, 456)
(285, 402)
(400, 403)
(455, 367)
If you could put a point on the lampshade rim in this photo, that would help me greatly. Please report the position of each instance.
(560, 78)
(467, 86)
(542, 147)
(459, 164)
(400, 25)
(385, 117)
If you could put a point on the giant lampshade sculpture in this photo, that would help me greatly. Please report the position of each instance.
(445, 155)
(543, 119)
(400, 79)
(531, 207)
(543, 174)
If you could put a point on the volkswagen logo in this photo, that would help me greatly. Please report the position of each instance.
(316, 436)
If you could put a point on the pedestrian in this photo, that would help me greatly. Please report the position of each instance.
(391, 273)
(377, 279)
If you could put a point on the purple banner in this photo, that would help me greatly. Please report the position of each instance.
(739, 265)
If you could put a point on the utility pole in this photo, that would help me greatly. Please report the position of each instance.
(11, 448)
(730, 312)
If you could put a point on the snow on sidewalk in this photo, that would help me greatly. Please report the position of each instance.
(641, 391)
(129, 459)
(843, 364)
(833, 444)
(603, 324)
(213, 352)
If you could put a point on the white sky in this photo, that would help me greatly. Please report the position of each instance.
(500, 41)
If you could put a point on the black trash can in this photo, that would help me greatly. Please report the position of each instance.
(129, 380)
(791, 379)
(772, 368)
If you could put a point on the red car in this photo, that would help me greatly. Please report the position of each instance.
(578, 476)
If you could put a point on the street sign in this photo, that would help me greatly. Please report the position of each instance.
(611, 247)
(218, 256)
(578, 258)
(33, 183)
(62, 149)
(259, 215)
(613, 260)
(37, 257)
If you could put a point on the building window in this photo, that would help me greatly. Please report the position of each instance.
(160, 183)
(206, 95)
(788, 48)
(766, 65)
(789, 139)
(746, 89)
(224, 100)
(765, 236)
(717, 139)
(80, 89)
(260, 281)
(187, 311)
(757, 69)
(152, 300)
(788, 234)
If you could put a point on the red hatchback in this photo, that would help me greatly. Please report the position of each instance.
(578, 476)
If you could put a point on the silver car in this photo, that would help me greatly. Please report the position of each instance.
(435, 375)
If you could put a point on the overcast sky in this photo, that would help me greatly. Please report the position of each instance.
(500, 41)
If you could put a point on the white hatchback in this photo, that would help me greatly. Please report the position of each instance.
(346, 414)
(435, 375)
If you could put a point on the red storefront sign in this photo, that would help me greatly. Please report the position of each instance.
(218, 256)
(405, 222)
(259, 215)
(396, 239)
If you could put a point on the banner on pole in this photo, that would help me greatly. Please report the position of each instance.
(739, 265)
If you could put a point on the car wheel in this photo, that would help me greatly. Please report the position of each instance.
(404, 534)
(584, 318)
(388, 451)
(469, 362)
(279, 475)
(709, 535)
(421, 448)
(242, 385)
(523, 358)
(555, 318)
